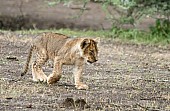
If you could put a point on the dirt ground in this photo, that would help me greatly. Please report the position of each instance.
(127, 77)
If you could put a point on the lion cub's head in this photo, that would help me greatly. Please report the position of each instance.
(89, 50)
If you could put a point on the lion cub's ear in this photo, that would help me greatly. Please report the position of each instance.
(84, 43)
(97, 40)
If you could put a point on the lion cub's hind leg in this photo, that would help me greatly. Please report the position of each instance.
(57, 72)
(37, 72)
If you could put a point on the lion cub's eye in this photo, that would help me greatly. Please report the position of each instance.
(91, 52)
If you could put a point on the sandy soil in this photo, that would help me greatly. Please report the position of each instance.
(127, 77)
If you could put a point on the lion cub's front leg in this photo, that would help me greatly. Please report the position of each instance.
(56, 74)
(77, 77)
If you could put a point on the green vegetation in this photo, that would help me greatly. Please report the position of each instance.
(156, 36)
(130, 11)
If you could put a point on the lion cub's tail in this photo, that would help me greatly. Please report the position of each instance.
(28, 61)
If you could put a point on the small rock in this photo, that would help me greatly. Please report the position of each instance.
(29, 106)
(99, 108)
(12, 58)
(69, 102)
(80, 103)
(8, 98)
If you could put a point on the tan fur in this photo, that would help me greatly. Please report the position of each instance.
(63, 51)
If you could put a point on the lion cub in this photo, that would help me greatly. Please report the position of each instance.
(63, 50)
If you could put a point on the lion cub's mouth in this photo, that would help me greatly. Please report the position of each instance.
(91, 61)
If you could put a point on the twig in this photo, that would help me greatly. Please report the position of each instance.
(145, 108)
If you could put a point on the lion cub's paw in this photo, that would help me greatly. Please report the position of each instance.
(43, 78)
(82, 86)
(53, 79)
